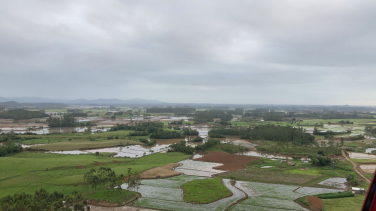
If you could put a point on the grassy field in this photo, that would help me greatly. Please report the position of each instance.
(112, 196)
(301, 174)
(85, 144)
(344, 204)
(204, 191)
(75, 141)
(27, 172)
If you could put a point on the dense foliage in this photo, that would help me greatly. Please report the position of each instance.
(320, 160)
(190, 132)
(297, 136)
(139, 133)
(181, 147)
(370, 129)
(147, 142)
(102, 178)
(142, 126)
(166, 134)
(65, 121)
(357, 137)
(273, 116)
(77, 114)
(235, 131)
(171, 110)
(209, 115)
(4, 137)
(10, 148)
(197, 139)
(328, 132)
(18, 114)
(335, 195)
(42, 200)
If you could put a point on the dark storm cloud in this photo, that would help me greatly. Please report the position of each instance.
(305, 52)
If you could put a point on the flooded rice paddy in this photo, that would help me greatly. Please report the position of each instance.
(165, 194)
(133, 151)
(368, 168)
(336, 182)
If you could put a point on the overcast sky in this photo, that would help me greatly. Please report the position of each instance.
(259, 51)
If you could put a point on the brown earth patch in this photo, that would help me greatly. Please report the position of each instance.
(99, 164)
(116, 161)
(161, 172)
(230, 162)
(81, 167)
(315, 203)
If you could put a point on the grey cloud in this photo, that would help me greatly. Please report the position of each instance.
(212, 51)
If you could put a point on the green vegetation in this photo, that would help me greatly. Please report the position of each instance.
(42, 200)
(211, 144)
(115, 197)
(209, 115)
(10, 148)
(197, 139)
(65, 121)
(181, 147)
(147, 142)
(335, 195)
(18, 114)
(204, 191)
(176, 111)
(166, 134)
(190, 132)
(344, 204)
(296, 136)
(150, 127)
(320, 160)
(27, 172)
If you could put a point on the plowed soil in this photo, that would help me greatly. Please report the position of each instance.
(230, 162)
(315, 203)
(160, 172)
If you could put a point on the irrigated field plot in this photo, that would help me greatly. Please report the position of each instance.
(152, 197)
(230, 162)
(198, 168)
(269, 197)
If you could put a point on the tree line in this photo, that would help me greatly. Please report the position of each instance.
(42, 200)
(10, 148)
(209, 115)
(210, 144)
(166, 134)
(65, 121)
(19, 114)
(171, 110)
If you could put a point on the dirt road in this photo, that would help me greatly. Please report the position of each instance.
(355, 167)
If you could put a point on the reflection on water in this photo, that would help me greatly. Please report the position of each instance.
(133, 151)
(51, 130)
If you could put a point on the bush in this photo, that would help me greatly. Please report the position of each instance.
(352, 180)
(319, 160)
(165, 134)
(181, 147)
(197, 139)
(335, 195)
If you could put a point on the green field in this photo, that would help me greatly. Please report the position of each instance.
(204, 191)
(344, 204)
(112, 196)
(27, 172)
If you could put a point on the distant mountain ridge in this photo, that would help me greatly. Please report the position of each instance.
(113, 101)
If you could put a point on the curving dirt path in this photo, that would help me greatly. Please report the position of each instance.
(355, 167)
(238, 201)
